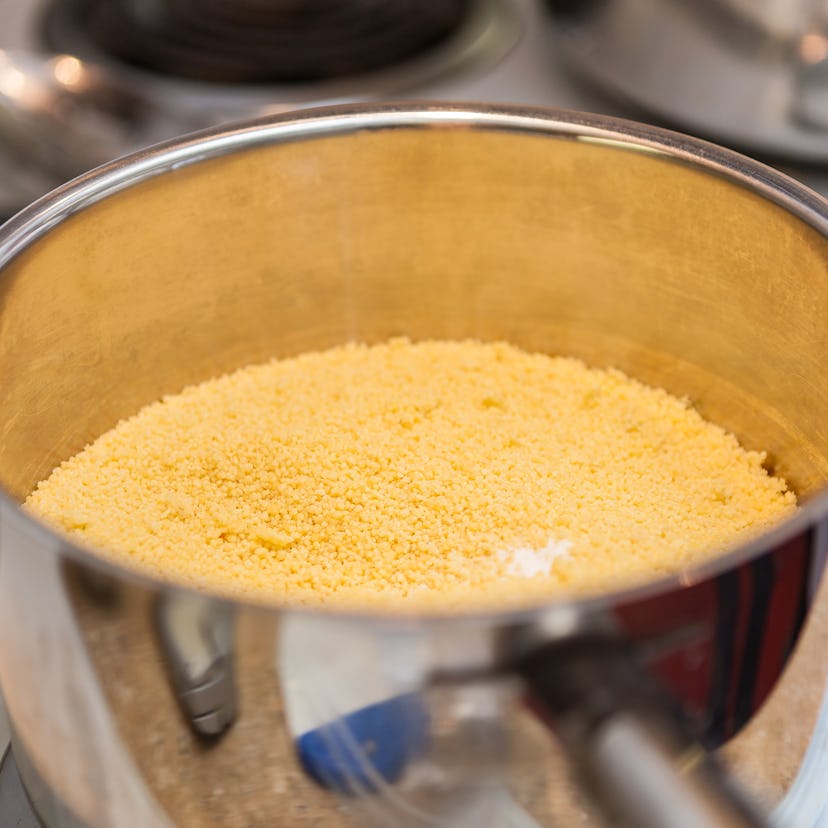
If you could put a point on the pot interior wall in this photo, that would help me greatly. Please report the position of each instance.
(622, 257)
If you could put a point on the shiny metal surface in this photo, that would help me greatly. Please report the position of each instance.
(748, 74)
(63, 116)
(646, 791)
(4, 731)
(16, 808)
(638, 761)
(683, 264)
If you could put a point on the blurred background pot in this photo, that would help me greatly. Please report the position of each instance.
(747, 73)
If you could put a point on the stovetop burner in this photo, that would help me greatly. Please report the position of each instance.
(264, 41)
(252, 57)
(434, 49)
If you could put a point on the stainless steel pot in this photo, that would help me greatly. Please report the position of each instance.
(748, 73)
(135, 703)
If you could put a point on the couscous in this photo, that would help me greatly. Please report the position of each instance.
(435, 473)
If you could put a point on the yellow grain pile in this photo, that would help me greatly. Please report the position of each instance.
(436, 473)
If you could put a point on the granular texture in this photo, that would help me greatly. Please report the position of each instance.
(429, 474)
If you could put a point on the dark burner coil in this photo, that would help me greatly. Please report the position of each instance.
(267, 41)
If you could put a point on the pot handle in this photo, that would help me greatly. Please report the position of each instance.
(196, 638)
(632, 749)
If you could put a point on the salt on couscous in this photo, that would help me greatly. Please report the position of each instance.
(433, 473)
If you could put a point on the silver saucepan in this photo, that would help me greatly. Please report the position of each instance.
(135, 703)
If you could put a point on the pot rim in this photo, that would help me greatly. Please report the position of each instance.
(40, 217)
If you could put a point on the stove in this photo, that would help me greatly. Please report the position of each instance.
(478, 50)
(234, 60)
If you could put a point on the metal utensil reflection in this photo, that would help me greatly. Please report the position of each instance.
(65, 116)
(196, 634)
(634, 750)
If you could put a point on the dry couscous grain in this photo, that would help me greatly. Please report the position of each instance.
(431, 474)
